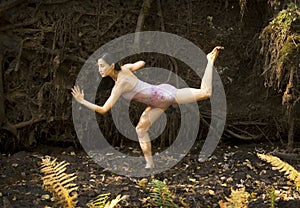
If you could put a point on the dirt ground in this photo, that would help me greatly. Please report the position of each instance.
(44, 45)
(234, 164)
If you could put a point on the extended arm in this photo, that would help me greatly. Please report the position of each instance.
(137, 65)
(79, 96)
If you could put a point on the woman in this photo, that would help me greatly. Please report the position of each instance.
(157, 97)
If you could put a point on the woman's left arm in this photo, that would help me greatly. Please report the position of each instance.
(136, 66)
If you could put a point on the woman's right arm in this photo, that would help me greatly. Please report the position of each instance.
(114, 96)
(79, 97)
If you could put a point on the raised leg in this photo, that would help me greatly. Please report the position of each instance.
(149, 116)
(187, 95)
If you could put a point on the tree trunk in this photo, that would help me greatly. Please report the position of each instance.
(2, 109)
(141, 19)
(291, 122)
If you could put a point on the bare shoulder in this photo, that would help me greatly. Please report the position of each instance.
(126, 79)
(126, 68)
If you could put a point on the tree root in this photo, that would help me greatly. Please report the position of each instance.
(141, 19)
(57, 53)
(12, 128)
(11, 27)
(8, 5)
(287, 156)
(242, 134)
(2, 106)
(243, 137)
(51, 2)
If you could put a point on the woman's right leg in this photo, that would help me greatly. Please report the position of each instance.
(188, 95)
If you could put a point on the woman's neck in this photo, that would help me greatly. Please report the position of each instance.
(114, 75)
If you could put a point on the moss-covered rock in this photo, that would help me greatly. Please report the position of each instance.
(281, 48)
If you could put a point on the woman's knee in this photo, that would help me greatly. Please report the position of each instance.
(143, 125)
(206, 92)
(141, 129)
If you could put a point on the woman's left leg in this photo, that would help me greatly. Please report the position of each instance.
(149, 116)
(188, 95)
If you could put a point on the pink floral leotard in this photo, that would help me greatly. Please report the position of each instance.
(158, 96)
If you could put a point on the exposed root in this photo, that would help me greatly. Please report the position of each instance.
(281, 68)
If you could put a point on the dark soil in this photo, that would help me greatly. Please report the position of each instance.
(234, 164)
(43, 47)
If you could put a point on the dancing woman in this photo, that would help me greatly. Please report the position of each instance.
(157, 97)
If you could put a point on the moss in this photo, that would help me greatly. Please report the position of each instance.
(284, 21)
(286, 16)
(281, 47)
(290, 49)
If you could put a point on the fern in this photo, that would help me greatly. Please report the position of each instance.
(161, 195)
(102, 201)
(59, 183)
(272, 197)
(289, 171)
(238, 199)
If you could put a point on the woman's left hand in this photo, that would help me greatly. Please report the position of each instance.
(79, 96)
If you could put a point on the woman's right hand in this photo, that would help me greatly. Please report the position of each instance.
(79, 96)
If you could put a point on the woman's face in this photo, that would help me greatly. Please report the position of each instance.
(104, 68)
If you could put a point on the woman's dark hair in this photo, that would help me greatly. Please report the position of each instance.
(107, 82)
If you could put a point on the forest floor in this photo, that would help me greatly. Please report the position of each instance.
(233, 164)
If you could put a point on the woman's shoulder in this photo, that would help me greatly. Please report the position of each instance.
(125, 75)
(126, 82)
(126, 71)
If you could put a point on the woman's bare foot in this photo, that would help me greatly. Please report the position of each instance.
(148, 166)
(149, 163)
(214, 53)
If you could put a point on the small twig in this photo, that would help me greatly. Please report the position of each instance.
(294, 42)
(160, 15)
(247, 123)
(11, 27)
(242, 137)
(31, 122)
(297, 100)
(278, 131)
(54, 2)
(19, 56)
(27, 123)
(242, 131)
(33, 30)
(264, 134)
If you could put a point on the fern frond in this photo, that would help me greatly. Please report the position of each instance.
(238, 199)
(161, 195)
(115, 202)
(99, 202)
(59, 183)
(102, 201)
(272, 197)
(289, 171)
